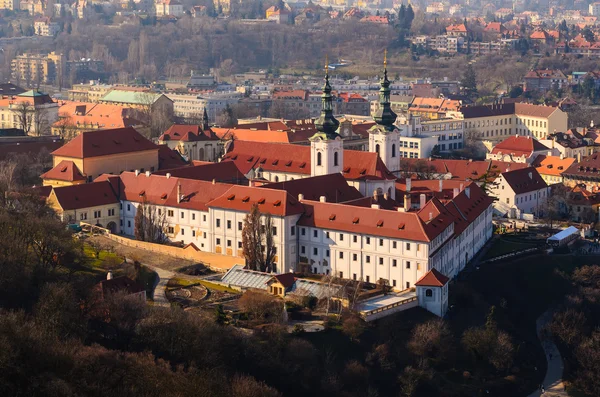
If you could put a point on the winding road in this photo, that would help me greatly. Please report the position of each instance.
(553, 383)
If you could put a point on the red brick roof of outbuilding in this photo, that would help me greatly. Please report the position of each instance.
(66, 170)
(86, 195)
(285, 279)
(432, 278)
(98, 143)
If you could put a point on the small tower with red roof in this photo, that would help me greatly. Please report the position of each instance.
(432, 292)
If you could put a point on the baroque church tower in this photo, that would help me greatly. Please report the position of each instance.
(327, 150)
(384, 137)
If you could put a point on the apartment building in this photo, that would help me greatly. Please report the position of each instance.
(168, 8)
(33, 111)
(45, 27)
(545, 80)
(32, 69)
(91, 92)
(12, 5)
(499, 121)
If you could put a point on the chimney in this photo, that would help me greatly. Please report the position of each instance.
(562, 156)
(179, 195)
(300, 197)
(323, 199)
(109, 275)
(375, 206)
(147, 174)
(137, 172)
(430, 216)
(408, 184)
(406, 202)
(214, 181)
(579, 157)
(468, 192)
(422, 200)
(455, 192)
(530, 175)
(441, 185)
(168, 175)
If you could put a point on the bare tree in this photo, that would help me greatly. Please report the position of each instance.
(150, 223)
(41, 124)
(65, 127)
(24, 113)
(7, 175)
(257, 241)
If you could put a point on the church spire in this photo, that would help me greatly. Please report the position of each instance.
(205, 125)
(385, 116)
(326, 124)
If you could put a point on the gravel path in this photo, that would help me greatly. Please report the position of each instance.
(553, 384)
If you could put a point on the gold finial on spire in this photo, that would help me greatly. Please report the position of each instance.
(326, 64)
(385, 58)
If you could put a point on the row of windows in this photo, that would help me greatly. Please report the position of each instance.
(97, 214)
(354, 238)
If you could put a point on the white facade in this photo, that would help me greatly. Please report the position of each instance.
(529, 202)
(326, 156)
(386, 144)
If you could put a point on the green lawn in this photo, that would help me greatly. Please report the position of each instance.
(504, 246)
(218, 287)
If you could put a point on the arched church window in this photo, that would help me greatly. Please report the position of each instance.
(319, 158)
(394, 150)
(377, 148)
(428, 293)
(335, 159)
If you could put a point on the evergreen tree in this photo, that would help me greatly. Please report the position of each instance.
(469, 81)
(410, 16)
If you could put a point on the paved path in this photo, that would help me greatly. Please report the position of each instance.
(553, 383)
(160, 292)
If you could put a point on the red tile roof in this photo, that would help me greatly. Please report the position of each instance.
(187, 133)
(64, 171)
(358, 165)
(169, 158)
(552, 165)
(414, 226)
(524, 180)
(242, 198)
(104, 143)
(460, 28)
(432, 278)
(334, 187)
(86, 195)
(467, 208)
(519, 146)
(285, 279)
(225, 171)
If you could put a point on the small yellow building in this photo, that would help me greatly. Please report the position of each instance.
(100, 152)
(94, 203)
